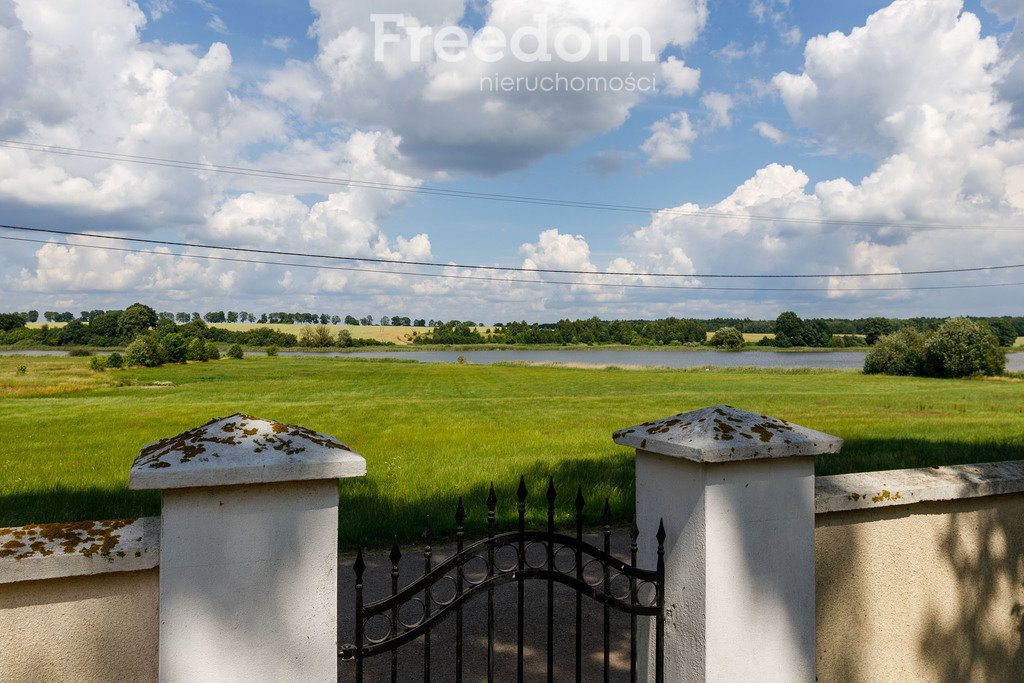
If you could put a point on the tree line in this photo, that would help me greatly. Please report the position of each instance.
(213, 317)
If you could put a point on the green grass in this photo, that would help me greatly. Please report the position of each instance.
(433, 432)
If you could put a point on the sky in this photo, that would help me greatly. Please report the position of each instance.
(759, 137)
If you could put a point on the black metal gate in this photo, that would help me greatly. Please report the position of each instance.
(644, 596)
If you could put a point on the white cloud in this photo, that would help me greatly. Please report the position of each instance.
(217, 24)
(777, 13)
(769, 132)
(678, 78)
(447, 120)
(282, 43)
(734, 51)
(670, 140)
(718, 106)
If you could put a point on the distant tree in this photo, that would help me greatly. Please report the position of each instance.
(1004, 330)
(318, 336)
(875, 328)
(232, 317)
(196, 316)
(419, 322)
(165, 315)
(728, 338)
(900, 353)
(182, 317)
(33, 316)
(263, 319)
(10, 321)
(196, 350)
(135, 320)
(146, 351)
(385, 321)
(48, 316)
(215, 317)
(335, 319)
(325, 319)
(351, 320)
(175, 348)
(74, 333)
(366, 320)
(103, 329)
(962, 348)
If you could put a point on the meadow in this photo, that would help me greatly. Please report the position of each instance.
(433, 432)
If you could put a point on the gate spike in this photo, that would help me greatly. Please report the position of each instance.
(359, 566)
(492, 499)
(634, 531)
(661, 536)
(460, 513)
(606, 516)
(428, 533)
(521, 491)
(551, 491)
(396, 553)
(579, 500)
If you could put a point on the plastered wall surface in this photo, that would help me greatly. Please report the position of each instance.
(82, 628)
(927, 592)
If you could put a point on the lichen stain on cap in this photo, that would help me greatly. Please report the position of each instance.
(42, 540)
(244, 431)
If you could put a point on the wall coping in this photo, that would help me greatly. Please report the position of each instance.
(50, 551)
(867, 490)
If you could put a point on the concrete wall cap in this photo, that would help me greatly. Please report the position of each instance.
(50, 551)
(726, 434)
(241, 449)
(865, 490)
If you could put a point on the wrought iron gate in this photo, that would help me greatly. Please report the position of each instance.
(643, 597)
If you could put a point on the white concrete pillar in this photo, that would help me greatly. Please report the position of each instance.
(736, 492)
(248, 550)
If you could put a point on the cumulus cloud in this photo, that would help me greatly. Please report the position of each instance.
(670, 140)
(447, 115)
(718, 106)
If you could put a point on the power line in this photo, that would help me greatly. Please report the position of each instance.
(517, 269)
(454, 276)
(466, 194)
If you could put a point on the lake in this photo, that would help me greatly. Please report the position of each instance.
(837, 360)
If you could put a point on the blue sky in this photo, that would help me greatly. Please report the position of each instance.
(906, 112)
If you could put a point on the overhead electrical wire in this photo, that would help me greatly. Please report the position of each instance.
(519, 269)
(456, 276)
(485, 196)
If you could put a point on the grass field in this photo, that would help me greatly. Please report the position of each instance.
(432, 432)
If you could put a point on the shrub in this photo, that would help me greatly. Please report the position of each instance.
(902, 353)
(235, 352)
(196, 350)
(962, 348)
(318, 336)
(22, 369)
(212, 352)
(79, 353)
(115, 360)
(837, 342)
(175, 348)
(271, 350)
(145, 351)
(344, 338)
(98, 363)
(728, 338)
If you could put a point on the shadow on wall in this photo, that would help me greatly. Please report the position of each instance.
(931, 591)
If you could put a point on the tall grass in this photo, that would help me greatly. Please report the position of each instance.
(434, 432)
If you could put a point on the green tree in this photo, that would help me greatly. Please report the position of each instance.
(115, 360)
(344, 338)
(876, 328)
(175, 348)
(962, 348)
(235, 351)
(196, 350)
(212, 352)
(11, 321)
(1005, 332)
(900, 353)
(135, 320)
(145, 351)
(728, 338)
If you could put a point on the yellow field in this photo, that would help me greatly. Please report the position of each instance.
(1019, 342)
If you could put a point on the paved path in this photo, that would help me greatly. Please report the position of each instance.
(377, 583)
